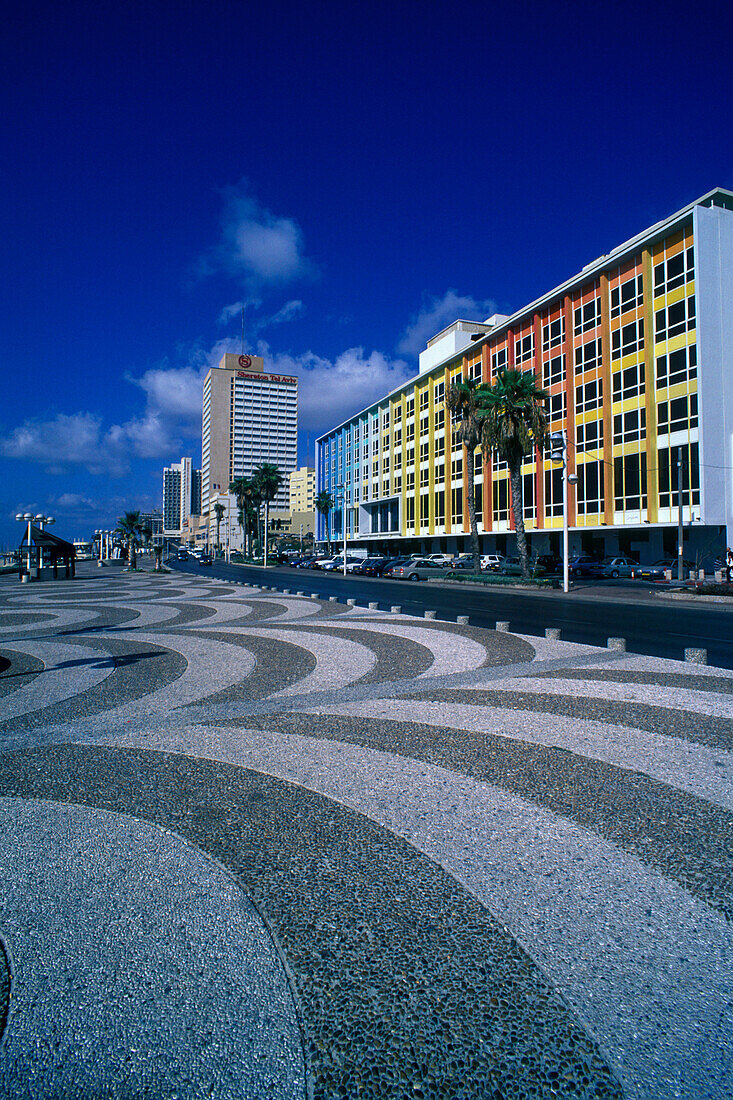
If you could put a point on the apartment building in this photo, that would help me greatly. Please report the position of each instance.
(181, 496)
(636, 354)
(303, 489)
(249, 417)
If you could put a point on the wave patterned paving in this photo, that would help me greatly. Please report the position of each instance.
(258, 844)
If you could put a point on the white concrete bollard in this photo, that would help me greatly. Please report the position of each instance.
(333, 599)
(373, 606)
(396, 608)
(461, 620)
(351, 603)
(502, 627)
(619, 644)
(552, 631)
(429, 614)
(696, 656)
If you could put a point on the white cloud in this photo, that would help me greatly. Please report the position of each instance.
(438, 313)
(330, 391)
(74, 440)
(256, 245)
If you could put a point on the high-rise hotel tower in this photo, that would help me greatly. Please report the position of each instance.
(249, 417)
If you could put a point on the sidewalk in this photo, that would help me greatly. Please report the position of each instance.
(254, 844)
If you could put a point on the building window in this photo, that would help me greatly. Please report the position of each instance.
(440, 508)
(553, 371)
(630, 426)
(440, 446)
(677, 415)
(589, 437)
(628, 382)
(424, 509)
(553, 334)
(524, 349)
(674, 271)
(424, 476)
(628, 296)
(474, 369)
(557, 406)
(424, 399)
(398, 437)
(439, 392)
(457, 466)
(630, 482)
(499, 361)
(440, 471)
(410, 405)
(588, 356)
(628, 339)
(675, 319)
(587, 316)
(410, 432)
(410, 512)
(424, 451)
(500, 499)
(397, 413)
(439, 418)
(590, 499)
(553, 491)
(528, 499)
(589, 395)
(457, 507)
(678, 366)
(668, 476)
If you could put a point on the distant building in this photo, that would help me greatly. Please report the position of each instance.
(153, 520)
(248, 417)
(181, 496)
(303, 489)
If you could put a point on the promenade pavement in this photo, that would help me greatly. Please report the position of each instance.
(259, 845)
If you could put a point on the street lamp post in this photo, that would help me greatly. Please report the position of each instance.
(40, 519)
(342, 489)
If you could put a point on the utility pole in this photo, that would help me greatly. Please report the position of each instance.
(680, 518)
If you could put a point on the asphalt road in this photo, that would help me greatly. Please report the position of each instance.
(591, 613)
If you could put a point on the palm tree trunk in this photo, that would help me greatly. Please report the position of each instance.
(471, 500)
(515, 481)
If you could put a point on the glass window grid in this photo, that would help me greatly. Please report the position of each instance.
(524, 349)
(587, 316)
(589, 435)
(674, 271)
(590, 488)
(629, 426)
(553, 333)
(629, 295)
(499, 360)
(677, 415)
(674, 319)
(553, 371)
(678, 366)
(589, 395)
(627, 339)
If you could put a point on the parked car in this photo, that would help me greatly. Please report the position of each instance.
(512, 567)
(417, 569)
(491, 561)
(319, 562)
(465, 563)
(305, 562)
(204, 559)
(582, 565)
(657, 571)
(182, 555)
(618, 566)
(440, 559)
(372, 567)
(549, 562)
(395, 563)
(458, 558)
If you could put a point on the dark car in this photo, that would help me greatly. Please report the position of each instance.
(549, 562)
(373, 567)
(182, 555)
(582, 565)
(205, 559)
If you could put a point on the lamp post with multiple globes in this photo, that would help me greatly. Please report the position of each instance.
(30, 519)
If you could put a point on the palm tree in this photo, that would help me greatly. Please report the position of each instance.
(130, 530)
(241, 520)
(513, 421)
(324, 504)
(463, 399)
(219, 512)
(267, 479)
(248, 503)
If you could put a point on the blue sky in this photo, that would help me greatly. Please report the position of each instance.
(357, 175)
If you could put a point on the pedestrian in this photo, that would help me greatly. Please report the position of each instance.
(729, 565)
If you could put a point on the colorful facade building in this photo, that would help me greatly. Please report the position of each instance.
(636, 354)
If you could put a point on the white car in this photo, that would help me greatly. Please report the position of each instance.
(491, 561)
(439, 559)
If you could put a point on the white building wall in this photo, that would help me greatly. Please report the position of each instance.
(713, 229)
